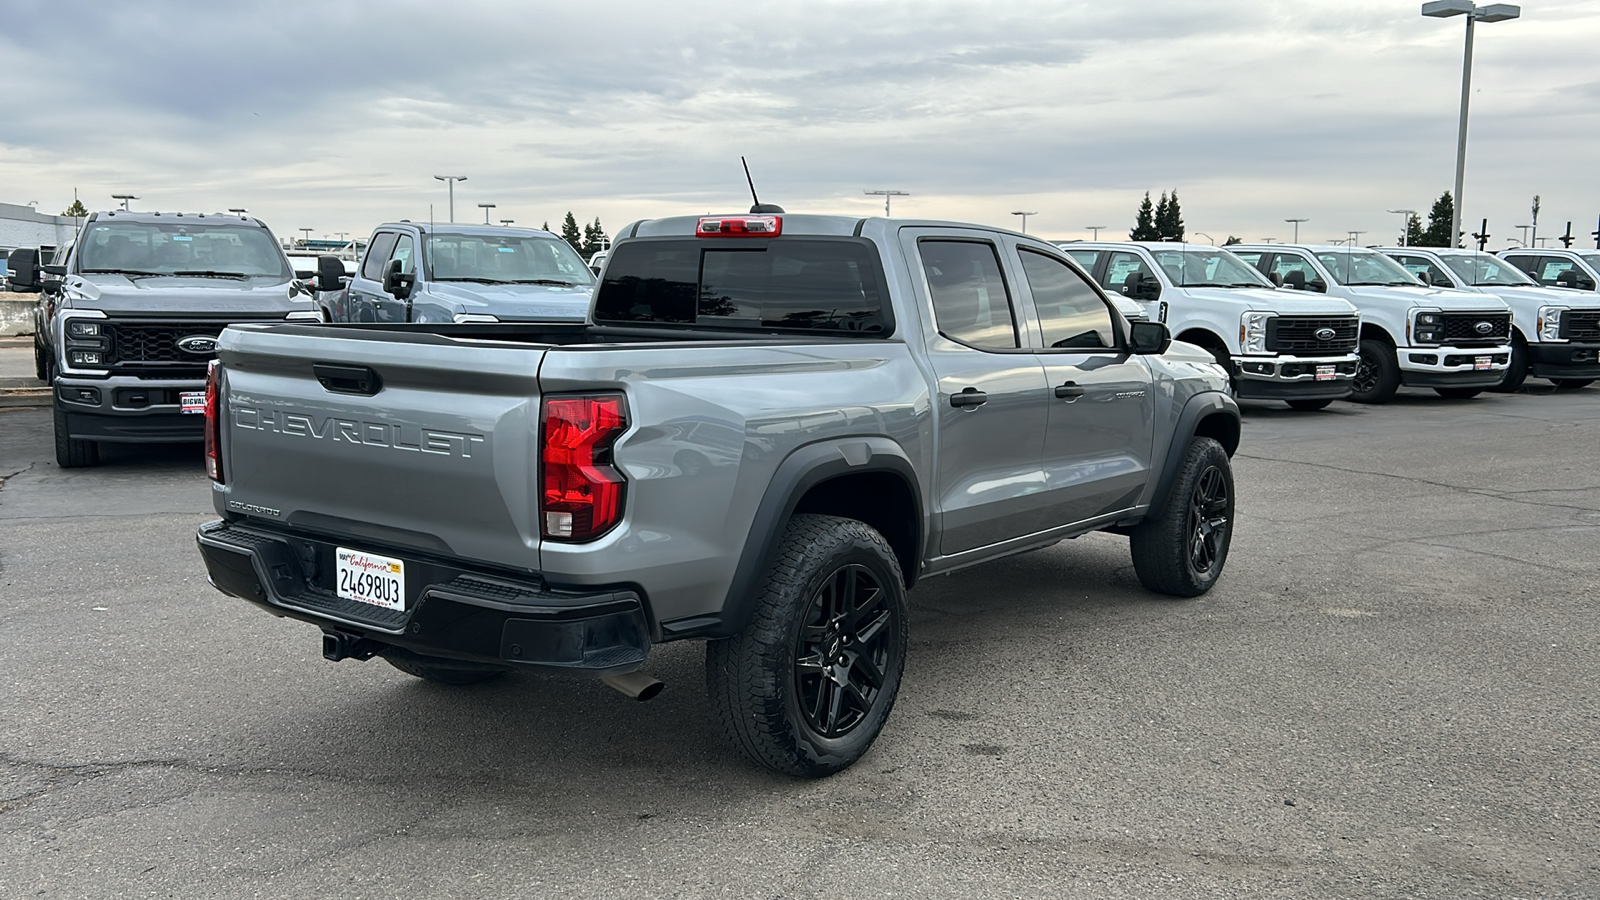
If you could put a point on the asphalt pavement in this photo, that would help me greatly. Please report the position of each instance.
(1391, 693)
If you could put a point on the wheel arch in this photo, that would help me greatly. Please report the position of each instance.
(1212, 414)
(1372, 331)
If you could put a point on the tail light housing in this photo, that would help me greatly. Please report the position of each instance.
(739, 226)
(581, 493)
(214, 422)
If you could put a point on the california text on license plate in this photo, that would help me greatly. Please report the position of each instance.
(1480, 362)
(192, 401)
(368, 578)
(1324, 373)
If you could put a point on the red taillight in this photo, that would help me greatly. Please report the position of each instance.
(739, 226)
(581, 492)
(213, 422)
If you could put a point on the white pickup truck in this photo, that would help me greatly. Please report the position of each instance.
(1456, 342)
(1276, 345)
(1555, 331)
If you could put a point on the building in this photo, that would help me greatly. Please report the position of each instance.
(24, 226)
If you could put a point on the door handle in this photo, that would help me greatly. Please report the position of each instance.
(1069, 391)
(969, 398)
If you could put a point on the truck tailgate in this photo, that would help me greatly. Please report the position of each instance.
(406, 440)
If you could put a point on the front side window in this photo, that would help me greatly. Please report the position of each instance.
(1207, 268)
(1071, 312)
(1553, 269)
(1364, 267)
(1296, 271)
(1120, 267)
(1482, 269)
(1425, 271)
(970, 300)
(405, 250)
(378, 255)
(502, 259)
(181, 247)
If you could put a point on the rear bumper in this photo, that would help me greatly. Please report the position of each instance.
(1564, 360)
(450, 612)
(129, 410)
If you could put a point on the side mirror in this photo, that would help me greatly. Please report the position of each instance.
(396, 283)
(24, 266)
(1137, 287)
(330, 273)
(1148, 337)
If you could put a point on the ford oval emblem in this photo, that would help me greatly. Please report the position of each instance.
(198, 344)
(1325, 334)
(1484, 327)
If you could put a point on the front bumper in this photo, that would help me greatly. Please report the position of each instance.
(1567, 360)
(1452, 366)
(450, 611)
(1293, 377)
(128, 410)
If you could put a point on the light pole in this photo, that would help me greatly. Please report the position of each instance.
(238, 210)
(887, 196)
(1354, 235)
(1494, 12)
(307, 240)
(486, 207)
(1096, 230)
(1405, 222)
(124, 198)
(1296, 228)
(1209, 238)
(507, 221)
(451, 181)
(1525, 230)
(1025, 216)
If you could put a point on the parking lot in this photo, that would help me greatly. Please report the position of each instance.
(1392, 693)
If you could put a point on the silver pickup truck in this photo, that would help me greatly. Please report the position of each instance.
(770, 427)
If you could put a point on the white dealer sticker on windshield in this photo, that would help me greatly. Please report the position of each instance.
(366, 578)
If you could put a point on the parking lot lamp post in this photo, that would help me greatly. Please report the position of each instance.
(124, 198)
(887, 196)
(451, 181)
(1096, 230)
(1493, 12)
(1209, 238)
(307, 240)
(1296, 228)
(507, 221)
(237, 210)
(1025, 216)
(486, 207)
(1354, 235)
(1405, 222)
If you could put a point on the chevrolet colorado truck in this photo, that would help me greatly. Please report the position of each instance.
(1277, 345)
(1456, 342)
(134, 322)
(770, 427)
(460, 273)
(1555, 332)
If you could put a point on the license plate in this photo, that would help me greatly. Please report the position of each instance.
(1479, 363)
(367, 578)
(192, 401)
(1325, 373)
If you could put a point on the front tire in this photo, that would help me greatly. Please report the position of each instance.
(805, 689)
(1517, 372)
(1458, 393)
(1181, 549)
(71, 453)
(1309, 405)
(1378, 373)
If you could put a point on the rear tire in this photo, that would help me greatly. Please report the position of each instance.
(1308, 405)
(1572, 384)
(71, 453)
(1517, 372)
(1458, 393)
(807, 686)
(1378, 373)
(1181, 549)
(439, 670)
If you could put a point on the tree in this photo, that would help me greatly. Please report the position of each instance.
(1144, 226)
(594, 238)
(77, 210)
(1231, 241)
(545, 226)
(1437, 234)
(1414, 237)
(1169, 218)
(570, 233)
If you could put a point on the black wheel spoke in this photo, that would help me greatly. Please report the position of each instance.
(830, 725)
(839, 661)
(869, 632)
(869, 670)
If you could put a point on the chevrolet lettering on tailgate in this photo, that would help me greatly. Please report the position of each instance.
(371, 434)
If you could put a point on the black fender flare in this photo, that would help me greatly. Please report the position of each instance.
(803, 469)
(1198, 408)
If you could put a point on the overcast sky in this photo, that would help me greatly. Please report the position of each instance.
(336, 115)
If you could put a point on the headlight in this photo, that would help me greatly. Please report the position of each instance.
(77, 328)
(1427, 328)
(1550, 322)
(1253, 332)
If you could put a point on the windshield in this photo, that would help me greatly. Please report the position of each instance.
(505, 259)
(181, 247)
(1358, 267)
(1484, 269)
(1208, 268)
(1593, 259)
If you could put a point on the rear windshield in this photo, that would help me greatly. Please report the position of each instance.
(795, 284)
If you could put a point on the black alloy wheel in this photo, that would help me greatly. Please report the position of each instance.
(843, 651)
(1208, 519)
(1366, 380)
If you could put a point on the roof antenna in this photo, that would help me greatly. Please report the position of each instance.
(758, 208)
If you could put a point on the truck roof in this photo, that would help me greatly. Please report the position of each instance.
(460, 228)
(803, 223)
(122, 215)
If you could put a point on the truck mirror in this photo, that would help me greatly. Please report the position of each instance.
(24, 266)
(1148, 337)
(397, 283)
(1139, 287)
(330, 273)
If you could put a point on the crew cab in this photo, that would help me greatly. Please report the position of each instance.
(1456, 342)
(1555, 267)
(1555, 331)
(141, 301)
(768, 429)
(460, 273)
(1276, 345)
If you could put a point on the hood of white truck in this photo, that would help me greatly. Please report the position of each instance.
(1289, 303)
(1408, 297)
(1531, 296)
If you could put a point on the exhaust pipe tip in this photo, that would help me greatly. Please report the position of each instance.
(637, 685)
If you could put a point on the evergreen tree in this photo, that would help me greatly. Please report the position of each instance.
(570, 233)
(594, 238)
(76, 210)
(1144, 226)
(1162, 213)
(1169, 218)
(545, 226)
(588, 240)
(1437, 234)
(1414, 231)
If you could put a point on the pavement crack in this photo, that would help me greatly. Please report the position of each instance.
(21, 471)
(1507, 496)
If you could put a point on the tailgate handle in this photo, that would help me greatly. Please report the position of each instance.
(348, 379)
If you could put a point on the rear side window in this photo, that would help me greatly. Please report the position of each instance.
(377, 255)
(970, 300)
(790, 283)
